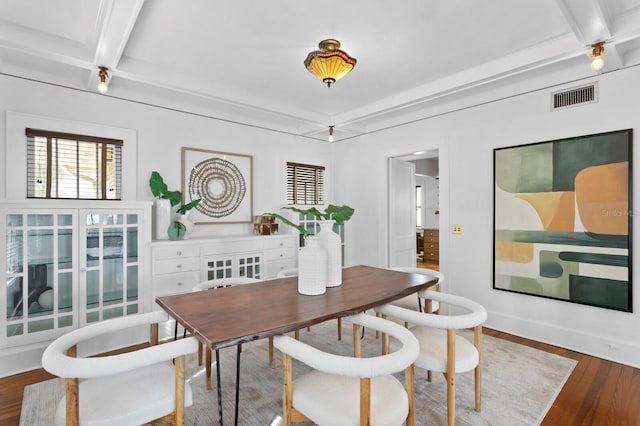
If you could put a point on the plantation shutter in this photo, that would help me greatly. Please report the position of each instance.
(69, 166)
(305, 184)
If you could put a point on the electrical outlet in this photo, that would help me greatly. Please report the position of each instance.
(456, 229)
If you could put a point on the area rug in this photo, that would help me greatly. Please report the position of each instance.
(519, 385)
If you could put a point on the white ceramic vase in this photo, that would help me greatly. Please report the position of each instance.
(330, 241)
(312, 268)
(188, 224)
(162, 209)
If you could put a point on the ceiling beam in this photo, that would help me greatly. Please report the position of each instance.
(115, 22)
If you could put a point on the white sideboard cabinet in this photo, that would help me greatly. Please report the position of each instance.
(178, 265)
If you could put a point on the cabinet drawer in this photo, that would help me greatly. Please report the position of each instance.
(272, 268)
(431, 255)
(431, 246)
(280, 243)
(175, 252)
(431, 240)
(171, 266)
(283, 254)
(169, 284)
(431, 233)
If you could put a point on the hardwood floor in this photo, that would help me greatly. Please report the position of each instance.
(598, 392)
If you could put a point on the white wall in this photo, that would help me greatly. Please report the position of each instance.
(466, 139)
(160, 135)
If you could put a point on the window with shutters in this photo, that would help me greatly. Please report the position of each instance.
(70, 166)
(305, 184)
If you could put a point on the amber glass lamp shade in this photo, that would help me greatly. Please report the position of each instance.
(329, 63)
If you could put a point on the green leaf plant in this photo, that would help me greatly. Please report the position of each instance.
(159, 189)
(340, 214)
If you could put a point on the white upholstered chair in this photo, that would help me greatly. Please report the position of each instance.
(343, 390)
(131, 388)
(441, 349)
(414, 301)
(212, 285)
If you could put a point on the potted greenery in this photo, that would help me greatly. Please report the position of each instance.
(165, 200)
(326, 238)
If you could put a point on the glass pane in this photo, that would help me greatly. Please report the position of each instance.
(132, 283)
(93, 316)
(112, 313)
(113, 243)
(132, 245)
(65, 220)
(93, 288)
(65, 321)
(132, 309)
(40, 246)
(65, 293)
(132, 219)
(93, 247)
(15, 249)
(14, 330)
(14, 298)
(41, 325)
(112, 219)
(92, 219)
(112, 281)
(65, 249)
(14, 220)
(40, 220)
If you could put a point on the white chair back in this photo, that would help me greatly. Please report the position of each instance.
(291, 272)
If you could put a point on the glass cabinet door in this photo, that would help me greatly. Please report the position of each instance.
(39, 273)
(109, 271)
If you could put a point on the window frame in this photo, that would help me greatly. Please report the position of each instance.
(313, 197)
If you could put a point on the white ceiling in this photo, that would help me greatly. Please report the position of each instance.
(243, 60)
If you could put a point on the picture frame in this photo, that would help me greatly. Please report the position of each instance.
(563, 219)
(224, 183)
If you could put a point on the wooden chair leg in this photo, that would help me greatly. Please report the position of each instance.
(179, 391)
(271, 351)
(200, 353)
(287, 404)
(451, 377)
(365, 401)
(72, 389)
(385, 340)
(208, 367)
(356, 341)
(339, 328)
(477, 341)
(410, 387)
(296, 334)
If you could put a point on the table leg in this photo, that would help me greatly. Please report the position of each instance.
(237, 382)
(219, 387)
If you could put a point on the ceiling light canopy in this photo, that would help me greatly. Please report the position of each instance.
(329, 63)
(596, 54)
(103, 74)
(330, 138)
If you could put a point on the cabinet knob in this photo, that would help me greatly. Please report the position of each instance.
(180, 283)
(281, 255)
(281, 243)
(179, 253)
(178, 266)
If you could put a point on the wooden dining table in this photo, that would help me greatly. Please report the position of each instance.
(243, 313)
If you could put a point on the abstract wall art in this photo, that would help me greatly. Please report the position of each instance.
(563, 219)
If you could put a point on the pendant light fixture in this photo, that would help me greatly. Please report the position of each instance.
(329, 63)
(596, 54)
(330, 138)
(103, 74)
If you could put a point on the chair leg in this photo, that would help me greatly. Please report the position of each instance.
(451, 377)
(365, 401)
(339, 328)
(72, 389)
(410, 387)
(199, 354)
(271, 351)
(179, 391)
(287, 404)
(296, 334)
(477, 341)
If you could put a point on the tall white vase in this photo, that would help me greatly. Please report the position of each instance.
(163, 218)
(330, 241)
(312, 268)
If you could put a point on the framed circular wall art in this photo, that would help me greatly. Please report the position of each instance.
(223, 182)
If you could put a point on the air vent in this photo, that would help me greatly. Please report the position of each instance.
(574, 97)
